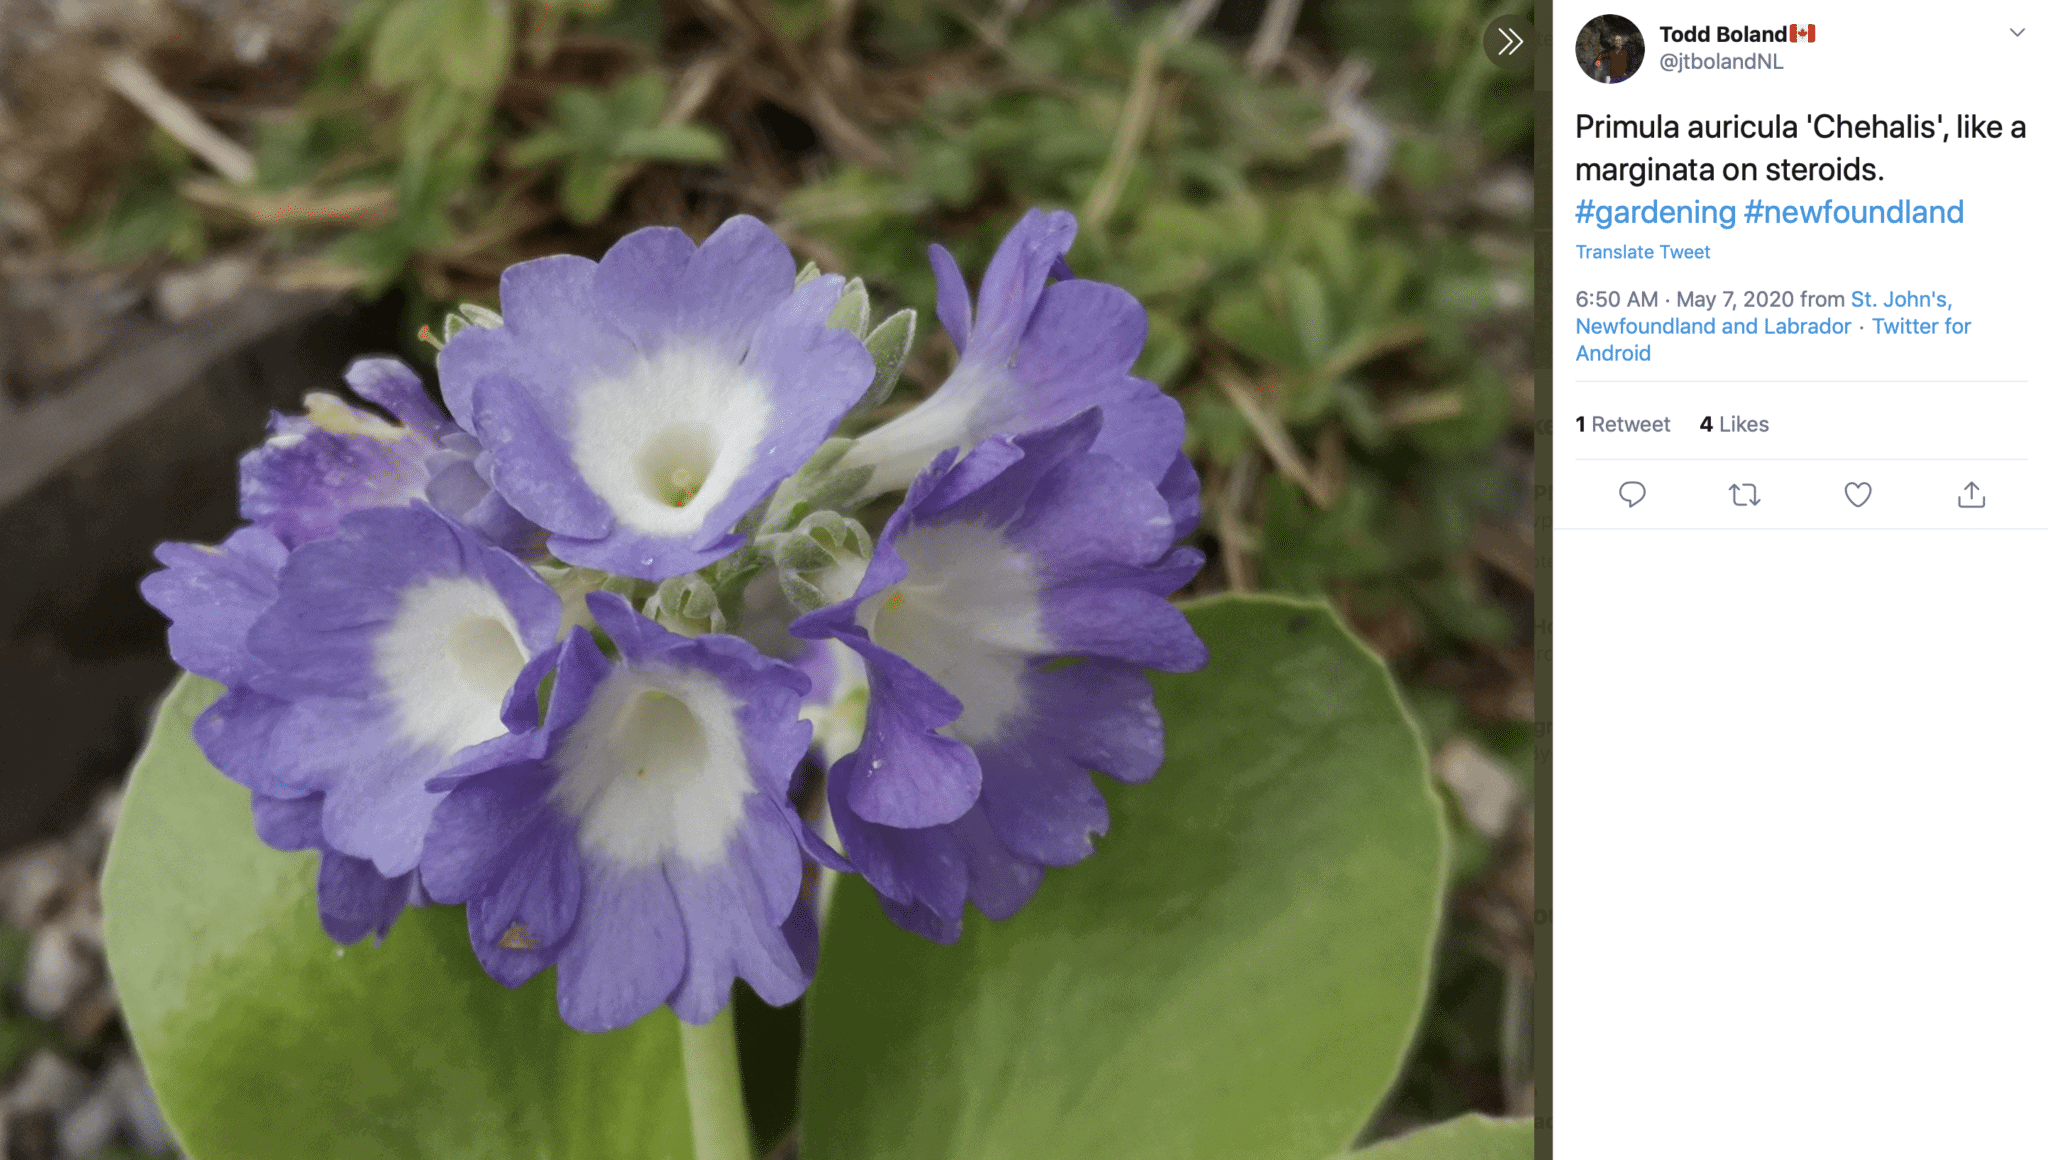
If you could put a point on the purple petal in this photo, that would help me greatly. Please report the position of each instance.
(396, 387)
(542, 889)
(742, 272)
(734, 914)
(530, 466)
(904, 774)
(954, 312)
(1015, 280)
(213, 596)
(998, 881)
(477, 831)
(378, 806)
(355, 900)
(304, 479)
(1078, 354)
(1121, 623)
(1092, 517)
(801, 931)
(914, 868)
(1182, 490)
(640, 285)
(250, 737)
(287, 823)
(1102, 716)
(626, 955)
(553, 328)
(1041, 804)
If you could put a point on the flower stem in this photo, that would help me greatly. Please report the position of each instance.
(711, 1077)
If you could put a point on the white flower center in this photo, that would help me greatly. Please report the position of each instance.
(656, 768)
(487, 655)
(446, 659)
(676, 461)
(665, 442)
(967, 614)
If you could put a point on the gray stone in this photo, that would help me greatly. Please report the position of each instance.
(80, 920)
(58, 971)
(89, 1126)
(33, 882)
(182, 295)
(140, 1116)
(1486, 789)
(47, 1084)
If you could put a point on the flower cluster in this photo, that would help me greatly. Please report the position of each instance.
(560, 651)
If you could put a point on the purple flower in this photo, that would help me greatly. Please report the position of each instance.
(643, 841)
(1006, 619)
(213, 596)
(355, 900)
(386, 658)
(336, 459)
(639, 406)
(1032, 355)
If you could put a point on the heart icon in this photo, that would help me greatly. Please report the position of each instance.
(1858, 493)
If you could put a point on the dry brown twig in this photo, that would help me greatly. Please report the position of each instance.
(1028, 73)
(1235, 538)
(1130, 131)
(1276, 28)
(1190, 17)
(1432, 407)
(841, 133)
(1330, 458)
(294, 207)
(1141, 105)
(126, 76)
(700, 79)
(1272, 437)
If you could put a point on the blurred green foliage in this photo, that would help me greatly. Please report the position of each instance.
(598, 137)
(147, 215)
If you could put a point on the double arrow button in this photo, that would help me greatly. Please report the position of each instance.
(1507, 41)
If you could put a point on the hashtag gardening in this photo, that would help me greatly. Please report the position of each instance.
(1656, 212)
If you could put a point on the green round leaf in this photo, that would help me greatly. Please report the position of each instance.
(1465, 1138)
(264, 1039)
(1234, 974)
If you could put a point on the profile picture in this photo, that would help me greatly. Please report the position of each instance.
(1610, 49)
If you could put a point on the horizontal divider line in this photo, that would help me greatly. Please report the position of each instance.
(1829, 528)
(1732, 382)
(1782, 460)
